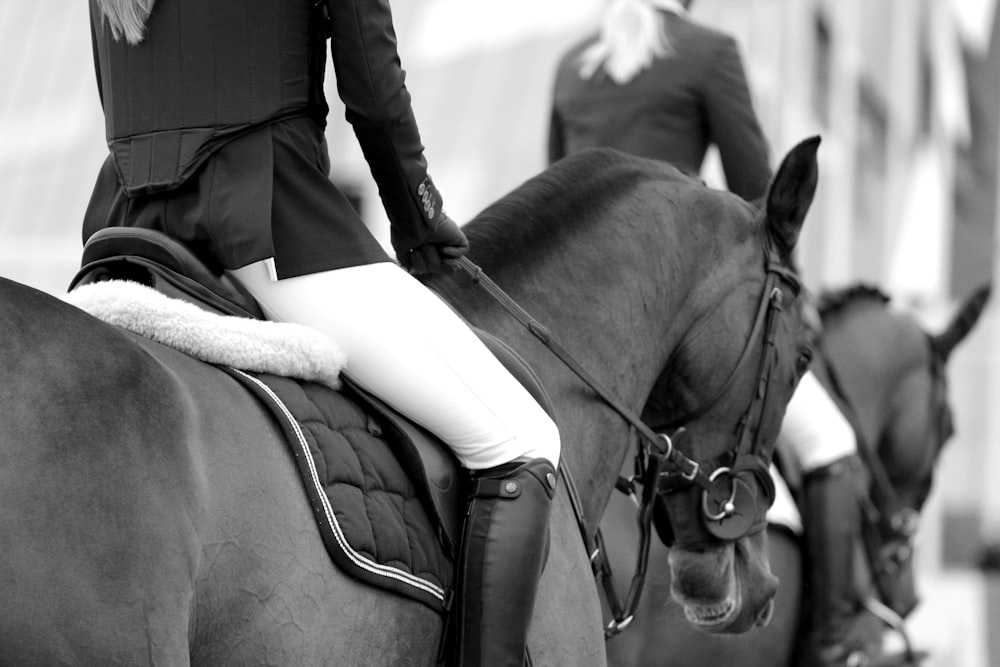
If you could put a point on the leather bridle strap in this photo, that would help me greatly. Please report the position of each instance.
(774, 268)
(622, 613)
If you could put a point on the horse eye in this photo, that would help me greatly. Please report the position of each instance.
(804, 360)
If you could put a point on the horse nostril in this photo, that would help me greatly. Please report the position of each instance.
(764, 617)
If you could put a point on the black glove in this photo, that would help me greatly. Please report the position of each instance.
(435, 252)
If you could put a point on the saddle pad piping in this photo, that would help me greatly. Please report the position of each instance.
(358, 559)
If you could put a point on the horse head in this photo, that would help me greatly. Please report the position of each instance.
(903, 417)
(727, 385)
(910, 442)
(684, 300)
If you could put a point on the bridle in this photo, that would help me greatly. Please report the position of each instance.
(728, 498)
(727, 481)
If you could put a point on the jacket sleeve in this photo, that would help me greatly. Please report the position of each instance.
(733, 126)
(371, 83)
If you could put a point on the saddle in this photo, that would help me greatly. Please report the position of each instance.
(157, 261)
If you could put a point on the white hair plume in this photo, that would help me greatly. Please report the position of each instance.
(632, 34)
(127, 17)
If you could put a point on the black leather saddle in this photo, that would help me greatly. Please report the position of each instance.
(154, 259)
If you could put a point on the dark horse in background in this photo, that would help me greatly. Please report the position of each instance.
(151, 512)
(892, 375)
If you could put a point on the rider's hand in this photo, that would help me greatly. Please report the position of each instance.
(436, 252)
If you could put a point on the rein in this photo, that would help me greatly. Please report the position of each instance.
(660, 453)
(659, 441)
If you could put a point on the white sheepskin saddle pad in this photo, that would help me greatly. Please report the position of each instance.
(281, 348)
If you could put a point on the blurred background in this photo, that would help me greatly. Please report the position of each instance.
(905, 94)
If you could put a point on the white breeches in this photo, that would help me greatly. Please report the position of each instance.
(814, 429)
(410, 349)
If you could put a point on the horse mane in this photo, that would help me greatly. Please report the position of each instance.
(559, 203)
(833, 302)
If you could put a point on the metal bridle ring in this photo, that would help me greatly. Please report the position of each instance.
(729, 507)
(670, 445)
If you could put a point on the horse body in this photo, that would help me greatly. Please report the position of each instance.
(172, 536)
(892, 373)
(152, 513)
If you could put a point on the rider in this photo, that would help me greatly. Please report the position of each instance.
(682, 94)
(654, 83)
(214, 117)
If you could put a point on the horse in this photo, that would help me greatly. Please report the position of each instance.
(151, 511)
(892, 375)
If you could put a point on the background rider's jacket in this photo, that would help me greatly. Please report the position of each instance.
(671, 111)
(215, 128)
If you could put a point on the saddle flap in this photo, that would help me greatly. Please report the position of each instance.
(433, 469)
(432, 466)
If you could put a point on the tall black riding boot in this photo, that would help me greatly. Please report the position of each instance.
(504, 546)
(832, 517)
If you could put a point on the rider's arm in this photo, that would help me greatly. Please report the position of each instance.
(371, 82)
(733, 125)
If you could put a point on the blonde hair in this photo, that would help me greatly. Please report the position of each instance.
(632, 34)
(127, 17)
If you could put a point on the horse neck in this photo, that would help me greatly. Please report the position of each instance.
(619, 304)
(873, 351)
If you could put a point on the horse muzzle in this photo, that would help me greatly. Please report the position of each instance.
(728, 589)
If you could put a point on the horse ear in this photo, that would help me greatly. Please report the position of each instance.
(791, 193)
(960, 326)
